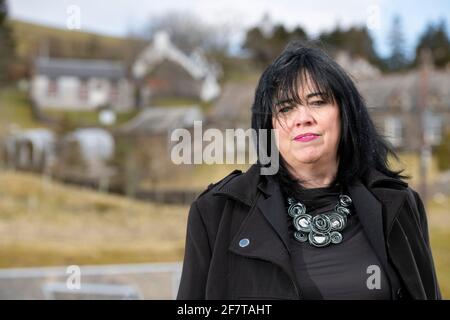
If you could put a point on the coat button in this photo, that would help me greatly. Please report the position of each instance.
(244, 242)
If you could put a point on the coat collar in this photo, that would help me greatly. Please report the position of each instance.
(389, 191)
(242, 185)
(366, 204)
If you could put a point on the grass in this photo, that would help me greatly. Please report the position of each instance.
(74, 119)
(411, 163)
(440, 243)
(439, 229)
(47, 223)
(15, 110)
(181, 102)
(199, 177)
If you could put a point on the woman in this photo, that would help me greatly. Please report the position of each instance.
(333, 223)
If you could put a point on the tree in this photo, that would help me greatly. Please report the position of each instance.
(437, 40)
(299, 33)
(397, 59)
(6, 44)
(254, 42)
(356, 41)
(264, 47)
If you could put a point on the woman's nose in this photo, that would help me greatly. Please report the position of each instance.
(303, 116)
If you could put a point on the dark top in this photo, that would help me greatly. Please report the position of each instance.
(338, 271)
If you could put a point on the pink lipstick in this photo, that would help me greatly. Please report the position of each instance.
(306, 137)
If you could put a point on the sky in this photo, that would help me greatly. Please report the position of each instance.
(120, 17)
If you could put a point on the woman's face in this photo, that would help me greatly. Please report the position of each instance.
(308, 133)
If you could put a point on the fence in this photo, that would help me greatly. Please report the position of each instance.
(129, 281)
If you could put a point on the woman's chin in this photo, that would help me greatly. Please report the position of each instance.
(307, 160)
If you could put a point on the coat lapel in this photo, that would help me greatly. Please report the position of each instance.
(392, 201)
(264, 242)
(272, 207)
(266, 231)
(397, 243)
(370, 214)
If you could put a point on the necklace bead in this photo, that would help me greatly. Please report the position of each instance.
(322, 229)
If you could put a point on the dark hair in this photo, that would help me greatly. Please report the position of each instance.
(360, 148)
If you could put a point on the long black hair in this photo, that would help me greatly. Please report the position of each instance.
(360, 148)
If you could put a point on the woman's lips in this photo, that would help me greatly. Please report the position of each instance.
(306, 137)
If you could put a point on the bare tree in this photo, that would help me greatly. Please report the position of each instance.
(188, 32)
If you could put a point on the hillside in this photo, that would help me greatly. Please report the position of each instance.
(32, 39)
(47, 223)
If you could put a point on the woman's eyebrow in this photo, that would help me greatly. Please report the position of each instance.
(314, 94)
(281, 102)
(308, 96)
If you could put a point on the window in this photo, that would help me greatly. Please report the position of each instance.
(433, 128)
(114, 91)
(393, 130)
(83, 90)
(52, 88)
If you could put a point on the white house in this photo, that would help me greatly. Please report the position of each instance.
(80, 84)
(202, 75)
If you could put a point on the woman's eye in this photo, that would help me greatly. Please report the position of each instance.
(285, 109)
(318, 103)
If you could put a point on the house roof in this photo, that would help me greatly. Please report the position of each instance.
(55, 67)
(155, 120)
(234, 104)
(195, 64)
(402, 90)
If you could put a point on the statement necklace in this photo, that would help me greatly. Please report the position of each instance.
(322, 229)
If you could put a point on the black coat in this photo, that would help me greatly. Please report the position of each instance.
(243, 205)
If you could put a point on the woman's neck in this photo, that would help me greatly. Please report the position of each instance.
(315, 176)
